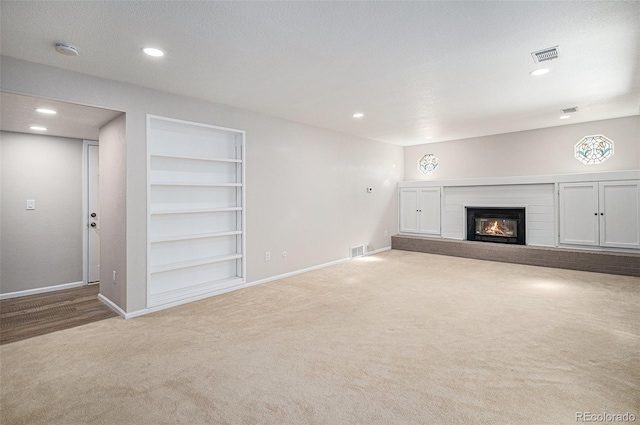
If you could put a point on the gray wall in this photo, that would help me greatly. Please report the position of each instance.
(112, 185)
(42, 247)
(528, 153)
(306, 186)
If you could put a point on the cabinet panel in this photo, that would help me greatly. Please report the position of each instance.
(420, 211)
(429, 210)
(409, 210)
(620, 222)
(600, 213)
(579, 213)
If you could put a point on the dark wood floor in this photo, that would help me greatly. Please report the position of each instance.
(33, 315)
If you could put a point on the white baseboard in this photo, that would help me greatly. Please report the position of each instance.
(297, 272)
(154, 309)
(40, 290)
(378, 251)
(226, 290)
(106, 301)
(235, 288)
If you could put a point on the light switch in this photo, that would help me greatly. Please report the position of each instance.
(31, 204)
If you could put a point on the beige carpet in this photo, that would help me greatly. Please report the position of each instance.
(396, 338)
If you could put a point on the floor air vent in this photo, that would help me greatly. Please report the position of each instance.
(545, 54)
(357, 251)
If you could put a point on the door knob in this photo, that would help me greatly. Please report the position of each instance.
(93, 224)
(93, 215)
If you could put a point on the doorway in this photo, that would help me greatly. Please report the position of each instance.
(91, 213)
(52, 161)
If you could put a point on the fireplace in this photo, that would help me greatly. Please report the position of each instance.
(496, 224)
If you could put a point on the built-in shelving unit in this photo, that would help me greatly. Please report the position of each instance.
(597, 211)
(196, 237)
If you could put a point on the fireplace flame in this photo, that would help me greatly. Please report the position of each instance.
(496, 229)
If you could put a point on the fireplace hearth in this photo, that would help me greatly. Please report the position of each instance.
(496, 224)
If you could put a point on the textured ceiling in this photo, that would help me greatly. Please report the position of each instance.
(79, 122)
(415, 69)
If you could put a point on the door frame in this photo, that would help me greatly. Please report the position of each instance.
(85, 208)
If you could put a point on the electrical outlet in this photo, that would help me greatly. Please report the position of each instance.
(267, 256)
(114, 276)
(386, 233)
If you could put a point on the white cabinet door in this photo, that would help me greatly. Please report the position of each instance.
(420, 210)
(579, 213)
(620, 214)
(409, 211)
(429, 210)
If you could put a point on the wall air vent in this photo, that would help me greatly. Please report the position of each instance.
(570, 110)
(547, 54)
(357, 251)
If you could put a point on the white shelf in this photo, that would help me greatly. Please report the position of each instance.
(196, 210)
(238, 161)
(196, 184)
(211, 287)
(193, 263)
(195, 236)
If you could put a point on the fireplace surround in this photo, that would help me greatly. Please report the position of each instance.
(496, 224)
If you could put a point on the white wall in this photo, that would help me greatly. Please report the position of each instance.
(306, 187)
(113, 201)
(528, 153)
(41, 247)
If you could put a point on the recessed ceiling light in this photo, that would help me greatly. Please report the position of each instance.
(564, 117)
(540, 71)
(45, 111)
(151, 51)
(429, 137)
(38, 128)
(358, 115)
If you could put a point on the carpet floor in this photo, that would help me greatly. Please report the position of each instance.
(395, 338)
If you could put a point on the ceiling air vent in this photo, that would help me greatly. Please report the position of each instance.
(570, 110)
(545, 54)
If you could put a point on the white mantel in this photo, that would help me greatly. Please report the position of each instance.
(501, 181)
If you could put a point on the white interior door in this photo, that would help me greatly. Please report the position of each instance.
(93, 220)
